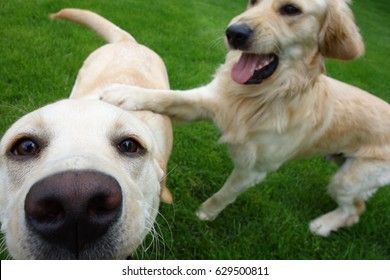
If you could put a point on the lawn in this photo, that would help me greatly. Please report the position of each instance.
(39, 62)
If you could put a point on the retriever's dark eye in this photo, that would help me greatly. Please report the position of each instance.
(290, 10)
(25, 147)
(252, 2)
(130, 146)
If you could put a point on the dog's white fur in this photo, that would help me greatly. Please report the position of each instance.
(82, 133)
(295, 113)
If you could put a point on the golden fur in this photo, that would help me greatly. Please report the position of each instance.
(296, 112)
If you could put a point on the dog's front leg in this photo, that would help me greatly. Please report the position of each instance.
(238, 182)
(188, 105)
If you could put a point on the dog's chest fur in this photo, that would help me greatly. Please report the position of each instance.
(266, 131)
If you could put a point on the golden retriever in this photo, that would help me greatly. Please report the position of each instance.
(273, 103)
(81, 178)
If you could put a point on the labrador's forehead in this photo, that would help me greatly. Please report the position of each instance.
(88, 113)
(92, 118)
(83, 110)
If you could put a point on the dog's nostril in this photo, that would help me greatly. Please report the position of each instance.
(238, 36)
(72, 209)
(103, 205)
(48, 210)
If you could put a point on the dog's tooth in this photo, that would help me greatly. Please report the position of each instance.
(264, 61)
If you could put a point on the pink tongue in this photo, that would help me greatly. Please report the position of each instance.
(244, 69)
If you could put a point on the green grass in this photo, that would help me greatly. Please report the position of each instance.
(39, 62)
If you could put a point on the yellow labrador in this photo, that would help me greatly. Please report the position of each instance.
(273, 103)
(80, 178)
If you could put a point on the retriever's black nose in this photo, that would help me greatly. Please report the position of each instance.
(73, 208)
(238, 36)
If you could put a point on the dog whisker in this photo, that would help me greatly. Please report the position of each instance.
(148, 246)
(169, 172)
(217, 43)
(160, 235)
(3, 247)
(154, 246)
(22, 111)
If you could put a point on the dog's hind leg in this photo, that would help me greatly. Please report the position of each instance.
(352, 185)
(238, 182)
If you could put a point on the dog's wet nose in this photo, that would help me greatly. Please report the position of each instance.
(238, 36)
(73, 208)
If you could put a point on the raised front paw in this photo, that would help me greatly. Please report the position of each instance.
(121, 96)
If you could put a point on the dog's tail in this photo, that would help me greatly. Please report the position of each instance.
(104, 28)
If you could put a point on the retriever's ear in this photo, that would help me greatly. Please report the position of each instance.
(340, 37)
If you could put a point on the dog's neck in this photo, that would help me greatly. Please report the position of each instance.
(273, 104)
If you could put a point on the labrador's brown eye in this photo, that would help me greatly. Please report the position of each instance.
(130, 146)
(25, 147)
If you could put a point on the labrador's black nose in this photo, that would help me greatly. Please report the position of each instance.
(238, 36)
(73, 208)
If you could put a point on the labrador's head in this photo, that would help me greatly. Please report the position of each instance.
(79, 179)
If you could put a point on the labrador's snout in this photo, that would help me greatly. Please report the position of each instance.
(73, 208)
(238, 36)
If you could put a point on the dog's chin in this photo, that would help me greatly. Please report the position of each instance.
(53, 253)
(252, 68)
(104, 249)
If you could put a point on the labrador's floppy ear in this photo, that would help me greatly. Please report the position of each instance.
(165, 193)
(340, 37)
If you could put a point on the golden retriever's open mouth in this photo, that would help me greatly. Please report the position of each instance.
(254, 68)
